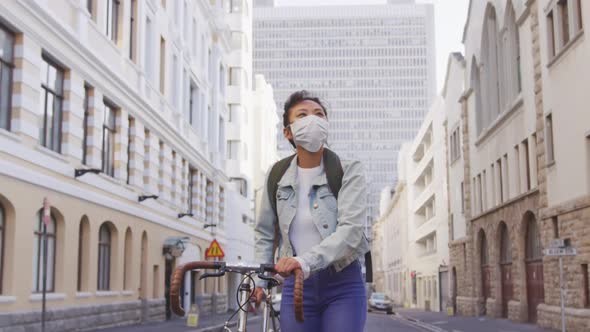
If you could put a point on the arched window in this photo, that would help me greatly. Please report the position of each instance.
(534, 251)
(483, 246)
(104, 257)
(512, 82)
(490, 61)
(476, 86)
(83, 254)
(505, 245)
(2, 231)
(127, 264)
(38, 253)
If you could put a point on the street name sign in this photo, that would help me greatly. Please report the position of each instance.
(567, 251)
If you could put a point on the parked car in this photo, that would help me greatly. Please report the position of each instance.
(380, 302)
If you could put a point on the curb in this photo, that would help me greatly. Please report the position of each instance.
(419, 323)
(219, 327)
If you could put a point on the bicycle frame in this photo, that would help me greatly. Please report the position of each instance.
(245, 291)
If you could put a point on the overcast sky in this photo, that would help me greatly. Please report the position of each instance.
(450, 16)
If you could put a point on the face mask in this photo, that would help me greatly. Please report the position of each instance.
(310, 132)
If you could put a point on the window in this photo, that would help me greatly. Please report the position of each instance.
(108, 139)
(133, 31)
(555, 223)
(162, 65)
(586, 285)
(578, 8)
(500, 180)
(506, 178)
(192, 174)
(161, 169)
(562, 6)
(452, 227)
(85, 124)
(148, 62)
(462, 197)
(130, 143)
(6, 68)
(104, 258)
(112, 21)
(2, 231)
(83, 254)
(173, 178)
(551, 34)
(127, 260)
(51, 99)
(91, 8)
(549, 135)
(533, 248)
(527, 164)
(505, 245)
(517, 171)
(39, 252)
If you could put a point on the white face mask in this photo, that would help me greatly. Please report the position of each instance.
(310, 132)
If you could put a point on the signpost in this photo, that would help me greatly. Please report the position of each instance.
(46, 221)
(560, 248)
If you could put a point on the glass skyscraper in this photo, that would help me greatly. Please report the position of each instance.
(373, 65)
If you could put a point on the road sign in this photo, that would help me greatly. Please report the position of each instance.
(214, 250)
(567, 251)
(557, 243)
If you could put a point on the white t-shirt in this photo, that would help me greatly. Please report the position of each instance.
(303, 233)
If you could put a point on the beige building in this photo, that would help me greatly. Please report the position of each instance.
(524, 150)
(414, 257)
(136, 94)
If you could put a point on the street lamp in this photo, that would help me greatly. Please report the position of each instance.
(144, 197)
(81, 171)
(209, 225)
(188, 214)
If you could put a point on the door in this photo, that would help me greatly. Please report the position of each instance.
(168, 273)
(534, 267)
(535, 290)
(507, 288)
(443, 279)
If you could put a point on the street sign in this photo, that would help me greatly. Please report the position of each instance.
(567, 251)
(557, 243)
(214, 250)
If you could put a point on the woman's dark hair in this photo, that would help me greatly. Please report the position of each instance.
(294, 99)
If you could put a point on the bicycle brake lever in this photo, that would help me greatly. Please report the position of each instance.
(273, 282)
(212, 274)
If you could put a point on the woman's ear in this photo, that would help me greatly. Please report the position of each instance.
(287, 133)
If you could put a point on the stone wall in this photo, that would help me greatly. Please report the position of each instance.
(83, 318)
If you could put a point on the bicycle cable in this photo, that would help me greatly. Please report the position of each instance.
(245, 277)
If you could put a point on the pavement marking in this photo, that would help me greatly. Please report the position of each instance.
(441, 322)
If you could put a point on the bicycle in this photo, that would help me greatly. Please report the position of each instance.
(244, 293)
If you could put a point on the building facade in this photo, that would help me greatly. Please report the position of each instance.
(524, 149)
(116, 112)
(373, 65)
(423, 240)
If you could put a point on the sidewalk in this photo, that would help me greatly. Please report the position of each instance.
(207, 323)
(440, 322)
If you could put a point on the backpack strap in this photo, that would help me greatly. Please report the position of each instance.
(276, 173)
(333, 170)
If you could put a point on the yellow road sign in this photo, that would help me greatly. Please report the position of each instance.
(214, 250)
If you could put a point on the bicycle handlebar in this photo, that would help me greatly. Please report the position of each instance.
(180, 271)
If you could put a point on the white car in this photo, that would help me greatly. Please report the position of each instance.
(380, 301)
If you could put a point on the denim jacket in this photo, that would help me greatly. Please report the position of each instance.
(340, 222)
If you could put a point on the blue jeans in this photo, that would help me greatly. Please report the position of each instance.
(332, 301)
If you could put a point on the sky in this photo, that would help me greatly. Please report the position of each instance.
(450, 16)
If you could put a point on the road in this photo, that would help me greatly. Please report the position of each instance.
(375, 323)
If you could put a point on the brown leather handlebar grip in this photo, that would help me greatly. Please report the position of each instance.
(298, 295)
(177, 279)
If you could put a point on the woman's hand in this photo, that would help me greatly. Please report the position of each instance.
(258, 295)
(286, 265)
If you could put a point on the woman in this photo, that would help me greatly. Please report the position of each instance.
(316, 232)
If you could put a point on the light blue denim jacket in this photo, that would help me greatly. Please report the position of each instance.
(340, 222)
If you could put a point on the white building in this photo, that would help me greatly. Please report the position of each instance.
(414, 228)
(373, 65)
(138, 92)
(391, 239)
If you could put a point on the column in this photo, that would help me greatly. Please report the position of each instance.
(136, 154)
(121, 136)
(165, 178)
(95, 123)
(151, 163)
(73, 116)
(26, 116)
